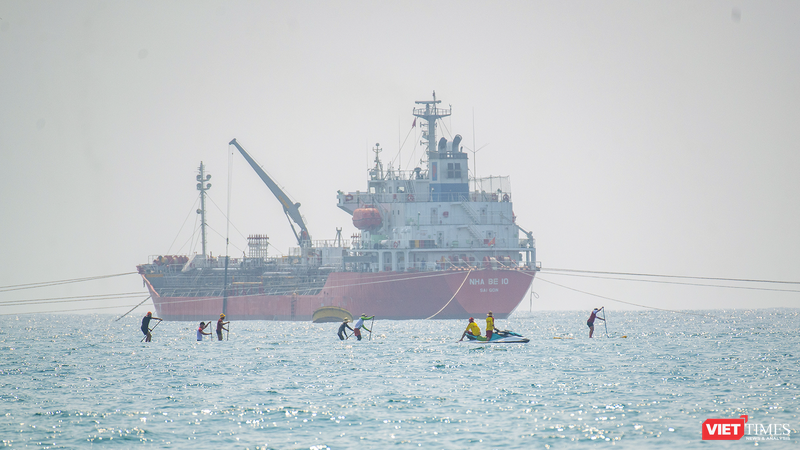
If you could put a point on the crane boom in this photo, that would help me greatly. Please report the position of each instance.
(292, 210)
(527, 233)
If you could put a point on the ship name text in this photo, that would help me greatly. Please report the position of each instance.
(489, 281)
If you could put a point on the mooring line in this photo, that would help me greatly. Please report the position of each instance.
(628, 303)
(140, 304)
(451, 298)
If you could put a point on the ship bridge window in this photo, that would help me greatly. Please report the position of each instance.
(378, 188)
(454, 170)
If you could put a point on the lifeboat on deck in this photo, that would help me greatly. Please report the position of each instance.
(367, 218)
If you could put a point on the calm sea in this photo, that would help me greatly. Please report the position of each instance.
(79, 381)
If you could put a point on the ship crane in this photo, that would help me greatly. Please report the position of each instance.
(527, 233)
(292, 210)
(530, 255)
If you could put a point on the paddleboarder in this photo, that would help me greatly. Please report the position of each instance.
(342, 333)
(472, 328)
(221, 326)
(490, 329)
(590, 322)
(201, 331)
(360, 324)
(146, 325)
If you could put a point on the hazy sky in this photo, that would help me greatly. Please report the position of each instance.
(655, 137)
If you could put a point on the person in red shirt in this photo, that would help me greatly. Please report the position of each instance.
(590, 322)
(201, 330)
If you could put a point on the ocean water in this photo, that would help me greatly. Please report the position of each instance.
(81, 381)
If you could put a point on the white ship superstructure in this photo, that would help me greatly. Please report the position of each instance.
(429, 219)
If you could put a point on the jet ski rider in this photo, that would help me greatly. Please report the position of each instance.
(490, 326)
(472, 328)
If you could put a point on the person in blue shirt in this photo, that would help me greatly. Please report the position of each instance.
(146, 325)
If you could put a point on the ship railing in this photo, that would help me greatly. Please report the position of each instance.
(432, 111)
(328, 243)
(159, 268)
(500, 244)
(444, 266)
(364, 198)
(286, 286)
(242, 292)
(498, 196)
(177, 265)
(459, 264)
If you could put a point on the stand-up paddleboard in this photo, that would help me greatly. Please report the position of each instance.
(501, 337)
(567, 337)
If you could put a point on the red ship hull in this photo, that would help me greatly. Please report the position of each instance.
(455, 294)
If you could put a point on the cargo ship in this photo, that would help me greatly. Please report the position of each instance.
(432, 242)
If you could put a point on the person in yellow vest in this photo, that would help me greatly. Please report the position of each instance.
(490, 329)
(472, 328)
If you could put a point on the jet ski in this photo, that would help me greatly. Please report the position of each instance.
(500, 337)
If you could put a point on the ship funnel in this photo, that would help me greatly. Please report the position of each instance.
(457, 143)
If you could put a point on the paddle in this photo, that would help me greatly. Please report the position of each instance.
(228, 331)
(373, 326)
(140, 304)
(605, 321)
(150, 330)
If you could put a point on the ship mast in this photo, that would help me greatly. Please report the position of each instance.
(203, 186)
(429, 114)
(377, 172)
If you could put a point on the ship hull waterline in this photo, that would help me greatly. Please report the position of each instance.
(455, 294)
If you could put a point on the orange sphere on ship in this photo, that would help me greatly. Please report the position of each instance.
(367, 218)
